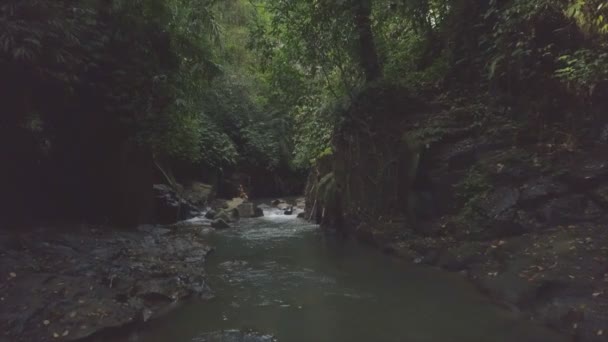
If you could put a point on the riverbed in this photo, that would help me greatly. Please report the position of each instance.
(282, 276)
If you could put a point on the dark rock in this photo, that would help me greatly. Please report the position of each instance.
(569, 209)
(233, 336)
(541, 189)
(460, 257)
(458, 155)
(258, 212)
(170, 207)
(499, 202)
(123, 277)
(277, 202)
(604, 134)
(288, 211)
(229, 215)
(220, 224)
(210, 214)
(280, 204)
(589, 171)
(302, 215)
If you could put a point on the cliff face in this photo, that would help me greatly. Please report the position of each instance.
(519, 207)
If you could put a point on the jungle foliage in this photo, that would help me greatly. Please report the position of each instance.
(265, 83)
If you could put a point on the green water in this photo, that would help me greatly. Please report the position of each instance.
(281, 276)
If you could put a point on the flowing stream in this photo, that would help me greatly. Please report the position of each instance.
(280, 275)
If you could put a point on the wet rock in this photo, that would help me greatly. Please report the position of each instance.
(277, 202)
(234, 203)
(246, 209)
(258, 212)
(198, 193)
(301, 203)
(87, 281)
(220, 224)
(288, 211)
(233, 336)
(302, 215)
(280, 204)
(461, 256)
(170, 207)
(210, 214)
(228, 215)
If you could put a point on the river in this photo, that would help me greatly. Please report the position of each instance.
(280, 275)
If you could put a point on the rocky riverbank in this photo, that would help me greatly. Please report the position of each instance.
(461, 186)
(82, 282)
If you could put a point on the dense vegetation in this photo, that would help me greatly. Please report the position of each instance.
(97, 92)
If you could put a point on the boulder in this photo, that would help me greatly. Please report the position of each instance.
(219, 224)
(499, 202)
(280, 204)
(258, 212)
(277, 202)
(199, 193)
(302, 215)
(210, 214)
(170, 207)
(288, 211)
(228, 215)
(234, 203)
(246, 209)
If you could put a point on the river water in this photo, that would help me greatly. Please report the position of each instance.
(280, 275)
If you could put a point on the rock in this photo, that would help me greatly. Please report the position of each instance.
(210, 214)
(220, 224)
(280, 204)
(288, 211)
(302, 215)
(570, 209)
(458, 155)
(233, 336)
(258, 212)
(89, 281)
(276, 202)
(301, 203)
(246, 209)
(170, 207)
(198, 193)
(234, 203)
(228, 215)
(499, 201)
(541, 189)
(604, 134)
(589, 171)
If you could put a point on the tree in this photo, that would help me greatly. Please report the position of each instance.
(368, 56)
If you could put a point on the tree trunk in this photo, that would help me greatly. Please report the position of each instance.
(368, 56)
